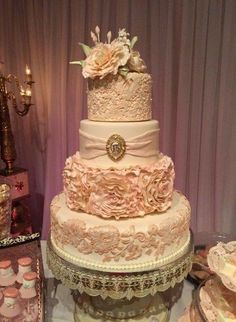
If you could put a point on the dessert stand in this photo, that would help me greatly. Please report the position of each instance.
(135, 294)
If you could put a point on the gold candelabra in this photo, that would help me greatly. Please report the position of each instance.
(8, 151)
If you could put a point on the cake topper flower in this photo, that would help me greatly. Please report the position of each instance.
(112, 57)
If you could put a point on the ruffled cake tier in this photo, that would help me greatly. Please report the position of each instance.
(129, 192)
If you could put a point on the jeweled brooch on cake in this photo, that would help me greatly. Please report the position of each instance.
(116, 147)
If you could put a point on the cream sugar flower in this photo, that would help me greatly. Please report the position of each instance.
(105, 59)
(112, 57)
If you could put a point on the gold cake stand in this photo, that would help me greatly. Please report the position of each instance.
(119, 287)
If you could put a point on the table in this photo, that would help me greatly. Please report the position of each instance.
(60, 305)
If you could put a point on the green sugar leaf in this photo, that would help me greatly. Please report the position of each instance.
(86, 49)
(123, 71)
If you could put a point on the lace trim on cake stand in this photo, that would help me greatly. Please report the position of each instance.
(119, 285)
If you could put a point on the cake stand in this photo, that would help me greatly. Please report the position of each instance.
(120, 290)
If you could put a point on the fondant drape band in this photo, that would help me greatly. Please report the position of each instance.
(140, 146)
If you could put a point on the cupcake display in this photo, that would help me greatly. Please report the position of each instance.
(18, 295)
(21, 279)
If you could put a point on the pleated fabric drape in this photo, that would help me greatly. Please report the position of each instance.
(189, 48)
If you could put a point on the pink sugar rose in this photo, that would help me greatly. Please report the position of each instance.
(77, 183)
(158, 188)
(105, 59)
(115, 196)
(166, 189)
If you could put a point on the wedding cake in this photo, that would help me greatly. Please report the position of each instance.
(119, 211)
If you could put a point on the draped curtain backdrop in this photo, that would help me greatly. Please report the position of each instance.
(189, 47)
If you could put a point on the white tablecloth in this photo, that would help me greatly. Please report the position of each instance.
(60, 305)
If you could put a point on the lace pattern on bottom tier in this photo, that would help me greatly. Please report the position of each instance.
(121, 243)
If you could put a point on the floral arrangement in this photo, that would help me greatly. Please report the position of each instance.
(112, 57)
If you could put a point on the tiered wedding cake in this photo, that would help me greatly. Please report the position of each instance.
(119, 212)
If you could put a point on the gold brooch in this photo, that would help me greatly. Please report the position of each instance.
(116, 147)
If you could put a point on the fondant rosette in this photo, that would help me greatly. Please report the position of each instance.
(115, 194)
(78, 194)
(158, 187)
(112, 57)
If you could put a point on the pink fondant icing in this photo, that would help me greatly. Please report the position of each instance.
(128, 192)
(5, 264)
(24, 261)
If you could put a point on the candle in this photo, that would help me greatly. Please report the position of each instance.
(22, 94)
(28, 92)
(28, 74)
(28, 96)
(22, 91)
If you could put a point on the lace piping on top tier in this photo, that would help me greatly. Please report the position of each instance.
(128, 192)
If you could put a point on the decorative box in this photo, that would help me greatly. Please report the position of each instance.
(18, 181)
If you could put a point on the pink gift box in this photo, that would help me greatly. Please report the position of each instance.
(18, 181)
